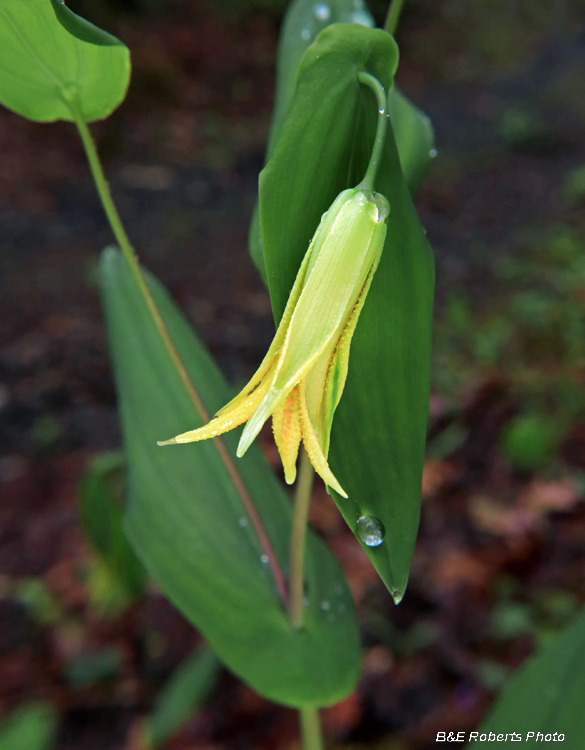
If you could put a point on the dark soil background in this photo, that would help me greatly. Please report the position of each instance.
(500, 562)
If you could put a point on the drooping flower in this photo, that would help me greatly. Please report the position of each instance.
(301, 378)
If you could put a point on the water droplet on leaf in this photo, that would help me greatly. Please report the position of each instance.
(433, 153)
(305, 34)
(322, 11)
(325, 605)
(264, 559)
(370, 530)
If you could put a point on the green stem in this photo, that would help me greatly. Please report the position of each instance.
(368, 80)
(393, 16)
(130, 256)
(311, 728)
(302, 503)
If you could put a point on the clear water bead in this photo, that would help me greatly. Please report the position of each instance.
(305, 34)
(322, 12)
(264, 559)
(370, 530)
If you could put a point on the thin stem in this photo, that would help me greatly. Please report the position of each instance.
(130, 256)
(311, 728)
(303, 493)
(393, 16)
(368, 182)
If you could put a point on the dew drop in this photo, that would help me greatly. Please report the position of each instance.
(243, 522)
(433, 153)
(322, 11)
(305, 34)
(370, 530)
(264, 559)
(362, 17)
(381, 111)
(325, 605)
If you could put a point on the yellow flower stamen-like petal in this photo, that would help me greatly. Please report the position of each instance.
(314, 451)
(286, 426)
(238, 414)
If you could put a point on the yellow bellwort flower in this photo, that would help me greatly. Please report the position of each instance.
(301, 378)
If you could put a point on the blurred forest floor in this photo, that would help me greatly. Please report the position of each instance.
(500, 562)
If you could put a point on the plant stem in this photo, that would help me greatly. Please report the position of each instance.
(130, 256)
(368, 182)
(393, 16)
(311, 728)
(302, 503)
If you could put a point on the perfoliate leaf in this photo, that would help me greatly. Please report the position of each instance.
(191, 528)
(50, 57)
(304, 21)
(323, 147)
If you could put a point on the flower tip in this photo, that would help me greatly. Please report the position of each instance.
(172, 441)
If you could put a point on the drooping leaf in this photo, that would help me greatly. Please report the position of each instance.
(323, 147)
(30, 727)
(185, 693)
(191, 528)
(121, 576)
(546, 694)
(49, 56)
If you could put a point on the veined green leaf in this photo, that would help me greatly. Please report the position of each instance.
(546, 694)
(49, 56)
(324, 145)
(190, 526)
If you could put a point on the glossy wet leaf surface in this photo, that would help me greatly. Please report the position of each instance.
(49, 55)
(190, 527)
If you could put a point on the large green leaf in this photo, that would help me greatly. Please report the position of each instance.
(324, 145)
(304, 21)
(191, 529)
(49, 56)
(547, 694)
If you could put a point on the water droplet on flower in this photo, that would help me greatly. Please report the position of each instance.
(433, 153)
(322, 12)
(243, 521)
(264, 559)
(305, 34)
(370, 530)
(325, 605)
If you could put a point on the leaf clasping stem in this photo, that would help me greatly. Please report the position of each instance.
(369, 178)
(130, 257)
